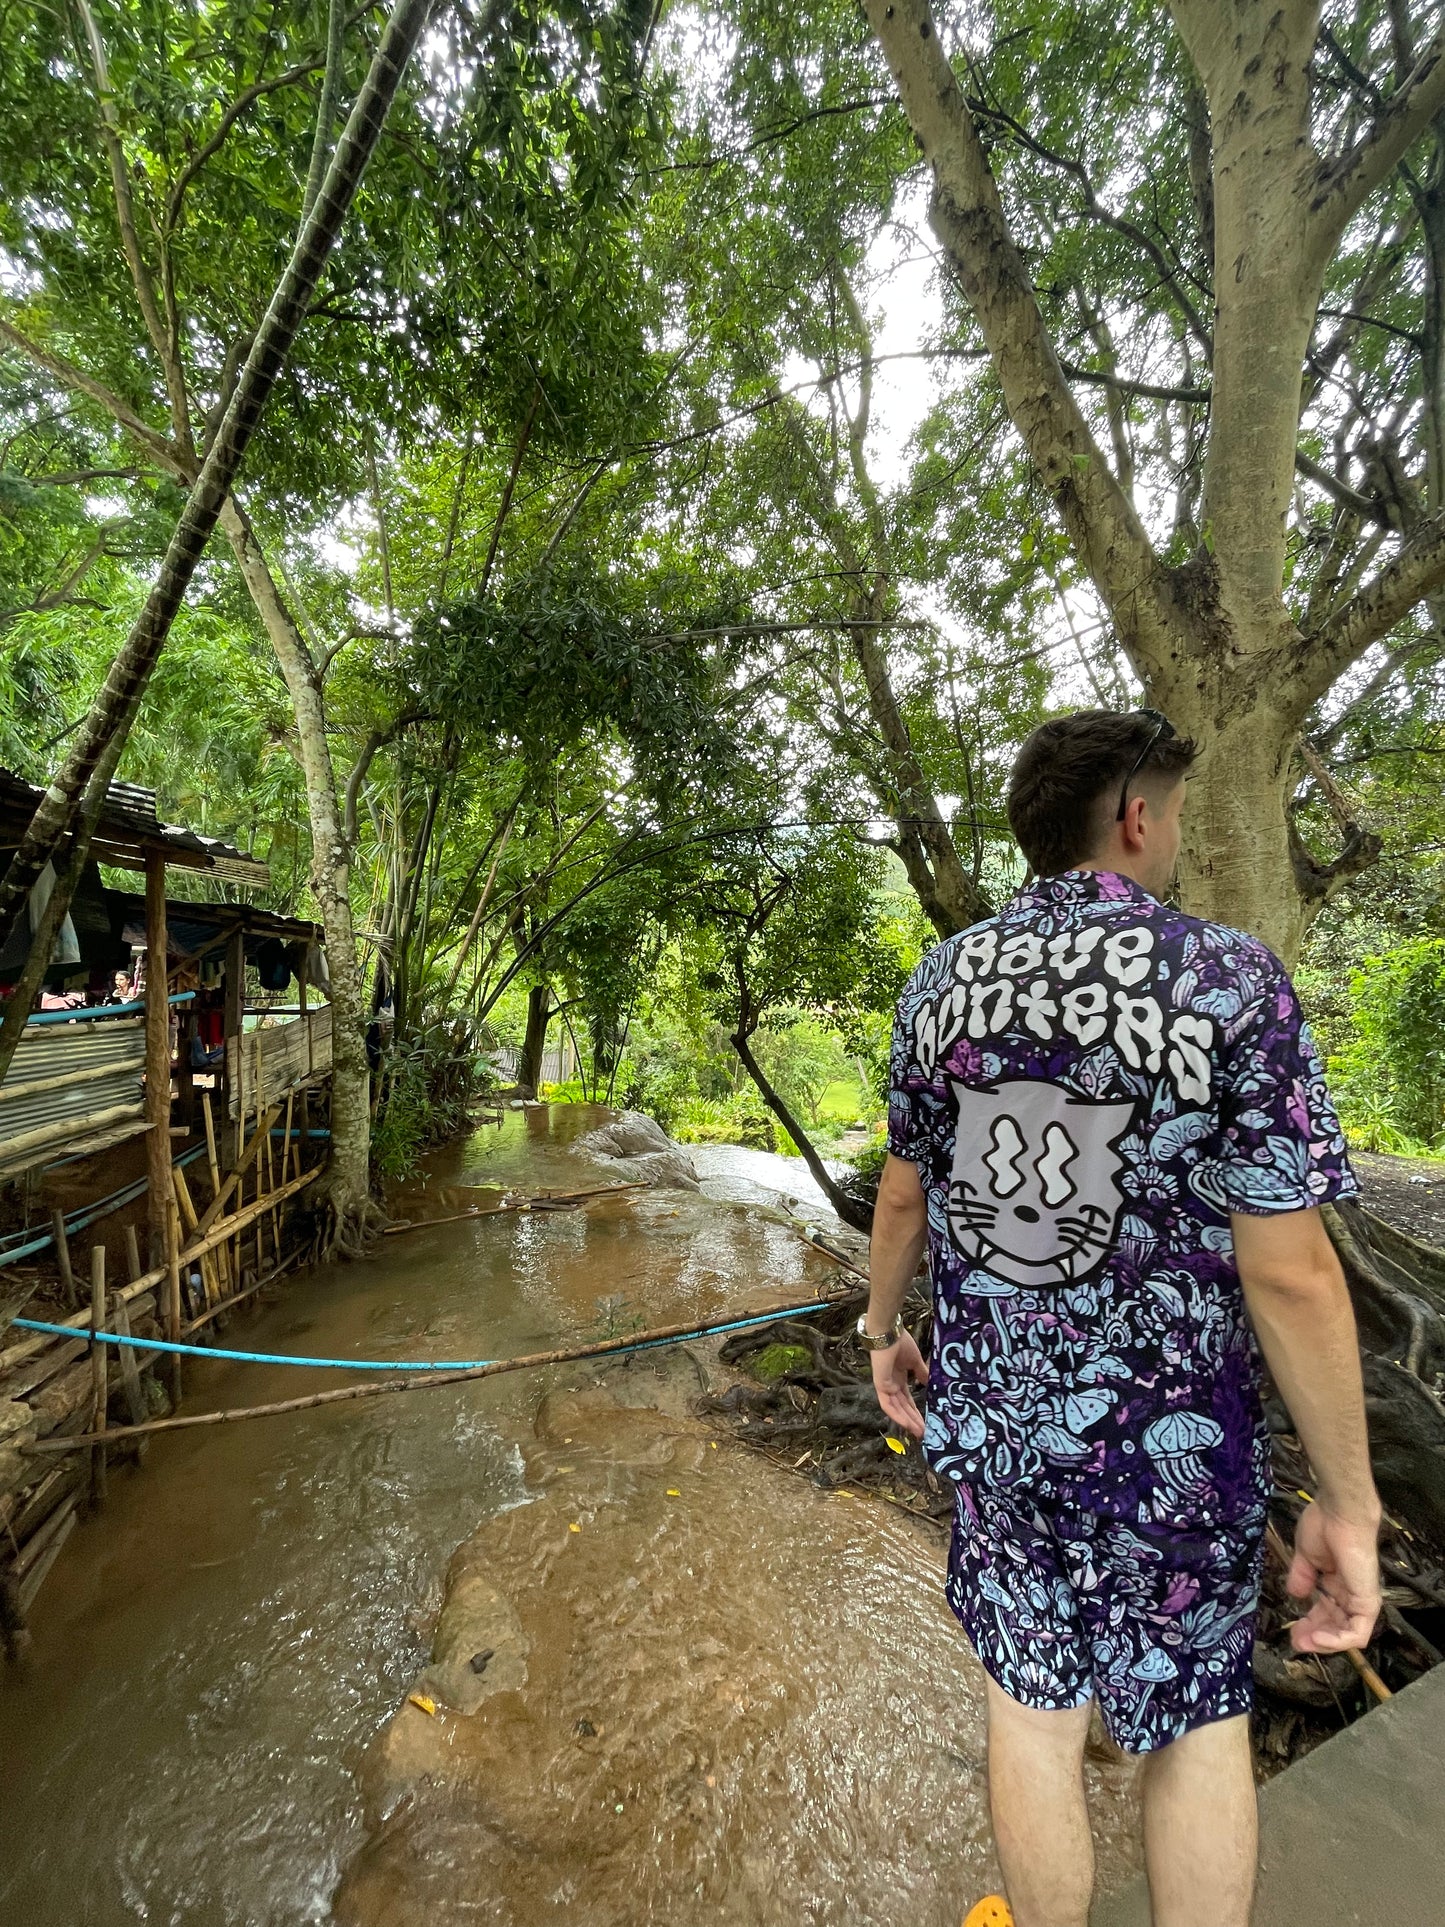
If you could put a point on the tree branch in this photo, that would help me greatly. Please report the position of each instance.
(968, 218)
(1346, 182)
(1365, 506)
(1414, 572)
(1144, 390)
(161, 336)
(159, 445)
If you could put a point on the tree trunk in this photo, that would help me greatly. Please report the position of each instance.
(347, 1184)
(949, 896)
(1213, 638)
(848, 1209)
(534, 1041)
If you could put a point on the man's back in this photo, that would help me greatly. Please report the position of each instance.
(1089, 1084)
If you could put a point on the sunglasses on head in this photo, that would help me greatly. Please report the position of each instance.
(1163, 730)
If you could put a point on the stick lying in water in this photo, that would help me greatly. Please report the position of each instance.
(547, 1201)
(639, 1341)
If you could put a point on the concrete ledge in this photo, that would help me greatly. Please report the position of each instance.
(1355, 1833)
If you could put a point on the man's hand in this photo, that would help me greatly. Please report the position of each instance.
(895, 1372)
(1336, 1563)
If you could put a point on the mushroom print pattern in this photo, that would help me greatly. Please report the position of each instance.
(1089, 1084)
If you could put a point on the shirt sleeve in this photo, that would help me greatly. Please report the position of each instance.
(1282, 1148)
(907, 1137)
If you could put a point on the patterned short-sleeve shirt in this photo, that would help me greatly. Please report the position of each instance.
(1090, 1083)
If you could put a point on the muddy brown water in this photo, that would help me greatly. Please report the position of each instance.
(727, 1696)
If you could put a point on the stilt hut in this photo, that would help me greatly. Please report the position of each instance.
(167, 1101)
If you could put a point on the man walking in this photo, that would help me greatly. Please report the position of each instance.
(1110, 1126)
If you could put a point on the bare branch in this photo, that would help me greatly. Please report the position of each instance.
(1346, 182)
(968, 218)
(1144, 390)
(1365, 506)
(171, 458)
(1417, 570)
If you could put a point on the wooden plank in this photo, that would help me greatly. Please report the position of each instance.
(32, 1513)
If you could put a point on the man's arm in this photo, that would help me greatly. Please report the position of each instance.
(1302, 1316)
(900, 1230)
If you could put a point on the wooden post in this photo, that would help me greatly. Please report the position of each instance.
(98, 1370)
(129, 1371)
(233, 1023)
(212, 1159)
(173, 1297)
(62, 1257)
(158, 1056)
(132, 1252)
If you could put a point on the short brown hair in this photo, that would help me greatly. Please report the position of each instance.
(1068, 767)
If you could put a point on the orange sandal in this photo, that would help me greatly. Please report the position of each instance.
(991, 1911)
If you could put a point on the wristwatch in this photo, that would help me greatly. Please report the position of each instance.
(879, 1341)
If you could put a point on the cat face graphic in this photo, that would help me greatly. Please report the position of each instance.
(1034, 1194)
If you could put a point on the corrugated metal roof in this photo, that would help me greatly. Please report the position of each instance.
(129, 821)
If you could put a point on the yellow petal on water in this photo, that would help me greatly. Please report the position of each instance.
(895, 1445)
(673, 1493)
(420, 1699)
(574, 1527)
(713, 1444)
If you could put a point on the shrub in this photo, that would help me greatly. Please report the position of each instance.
(740, 1119)
(1389, 1079)
(428, 1085)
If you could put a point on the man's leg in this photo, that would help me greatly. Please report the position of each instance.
(1040, 1822)
(1201, 1827)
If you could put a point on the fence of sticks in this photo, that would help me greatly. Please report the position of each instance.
(225, 1244)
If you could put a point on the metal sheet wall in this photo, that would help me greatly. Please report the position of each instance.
(65, 1079)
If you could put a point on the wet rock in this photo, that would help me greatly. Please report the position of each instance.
(640, 1152)
(475, 1621)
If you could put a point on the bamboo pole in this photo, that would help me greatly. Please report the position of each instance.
(132, 1252)
(129, 1371)
(62, 1255)
(213, 1210)
(543, 1198)
(212, 1160)
(173, 1297)
(99, 1367)
(422, 1381)
(226, 1228)
(158, 1053)
(285, 1158)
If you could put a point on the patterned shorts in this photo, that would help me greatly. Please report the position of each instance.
(1155, 1622)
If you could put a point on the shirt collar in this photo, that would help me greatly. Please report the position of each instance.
(1083, 886)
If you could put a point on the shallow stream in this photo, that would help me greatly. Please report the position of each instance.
(743, 1698)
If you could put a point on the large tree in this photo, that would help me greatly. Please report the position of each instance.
(1236, 229)
(160, 163)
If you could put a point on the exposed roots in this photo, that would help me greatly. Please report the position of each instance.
(343, 1225)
